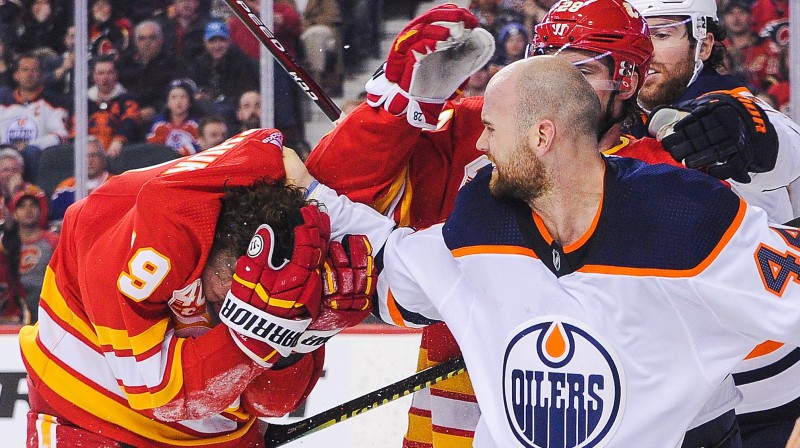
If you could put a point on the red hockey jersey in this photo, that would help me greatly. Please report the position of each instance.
(105, 354)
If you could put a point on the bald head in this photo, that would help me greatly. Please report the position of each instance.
(548, 87)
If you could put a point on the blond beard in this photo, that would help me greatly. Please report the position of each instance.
(525, 178)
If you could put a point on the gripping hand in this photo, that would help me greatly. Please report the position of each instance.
(348, 279)
(271, 303)
(727, 135)
(430, 59)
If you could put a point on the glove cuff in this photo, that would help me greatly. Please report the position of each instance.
(264, 355)
(420, 112)
(662, 120)
(253, 323)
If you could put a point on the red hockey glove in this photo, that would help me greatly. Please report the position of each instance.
(349, 278)
(727, 135)
(430, 59)
(269, 306)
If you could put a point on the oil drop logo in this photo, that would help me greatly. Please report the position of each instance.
(563, 386)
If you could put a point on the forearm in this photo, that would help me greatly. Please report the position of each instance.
(383, 141)
(214, 374)
(348, 217)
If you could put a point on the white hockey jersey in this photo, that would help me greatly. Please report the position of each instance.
(769, 376)
(41, 122)
(617, 340)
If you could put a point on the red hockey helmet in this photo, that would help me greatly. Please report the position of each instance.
(606, 27)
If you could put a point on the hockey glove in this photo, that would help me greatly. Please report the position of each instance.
(429, 61)
(270, 304)
(348, 279)
(726, 135)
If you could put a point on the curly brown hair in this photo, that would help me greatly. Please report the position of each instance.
(246, 208)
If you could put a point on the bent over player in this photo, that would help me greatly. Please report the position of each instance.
(125, 354)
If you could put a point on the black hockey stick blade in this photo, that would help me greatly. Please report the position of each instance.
(278, 435)
(295, 71)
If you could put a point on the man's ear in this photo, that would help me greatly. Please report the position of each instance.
(706, 46)
(540, 137)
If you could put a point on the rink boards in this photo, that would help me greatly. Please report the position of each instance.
(358, 361)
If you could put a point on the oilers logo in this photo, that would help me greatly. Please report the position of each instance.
(21, 130)
(562, 386)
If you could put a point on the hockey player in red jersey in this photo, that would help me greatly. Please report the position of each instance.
(424, 161)
(125, 352)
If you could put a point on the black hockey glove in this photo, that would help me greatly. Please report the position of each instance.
(726, 135)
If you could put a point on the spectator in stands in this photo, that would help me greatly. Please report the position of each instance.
(31, 117)
(751, 58)
(322, 44)
(108, 33)
(513, 40)
(41, 27)
(113, 113)
(184, 29)
(765, 11)
(64, 194)
(140, 10)
(11, 182)
(6, 63)
(361, 31)
(60, 79)
(476, 85)
(213, 131)
(177, 126)
(493, 17)
(248, 114)
(533, 11)
(287, 27)
(29, 208)
(780, 91)
(147, 69)
(13, 306)
(10, 14)
(222, 72)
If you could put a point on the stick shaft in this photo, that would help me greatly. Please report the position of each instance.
(278, 435)
(295, 71)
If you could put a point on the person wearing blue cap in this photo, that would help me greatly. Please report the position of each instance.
(222, 72)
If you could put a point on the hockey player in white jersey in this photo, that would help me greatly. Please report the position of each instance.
(686, 44)
(598, 301)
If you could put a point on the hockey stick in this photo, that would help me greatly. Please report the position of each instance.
(297, 73)
(278, 435)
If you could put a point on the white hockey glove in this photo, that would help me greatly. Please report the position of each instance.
(429, 61)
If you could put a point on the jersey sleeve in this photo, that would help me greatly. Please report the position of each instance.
(366, 156)
(408, 291)
(787, 167)
(378, 159)
(752, 282)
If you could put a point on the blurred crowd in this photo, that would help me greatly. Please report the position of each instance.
(178, 76)
(757, 41)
